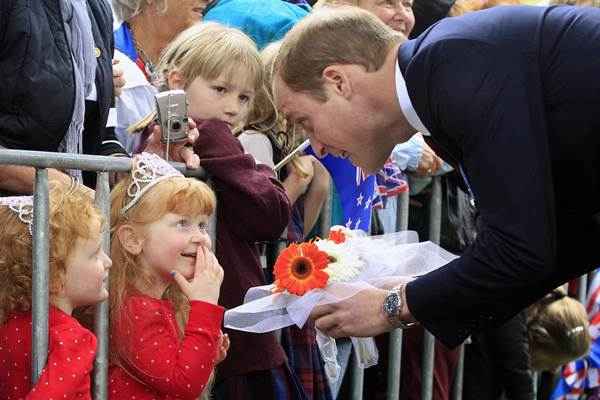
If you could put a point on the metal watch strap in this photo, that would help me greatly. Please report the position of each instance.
(393, 313)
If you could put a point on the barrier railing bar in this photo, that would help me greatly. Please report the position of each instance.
(101, 319)
(40, 305)
(395, 342)
(84, 162)
(435, 225)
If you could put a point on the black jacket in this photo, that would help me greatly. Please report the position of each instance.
(497, 363)
(37, 86)
(512, 95)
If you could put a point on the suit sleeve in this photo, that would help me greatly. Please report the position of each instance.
(484, 102)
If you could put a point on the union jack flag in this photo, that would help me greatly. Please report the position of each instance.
(391, 181)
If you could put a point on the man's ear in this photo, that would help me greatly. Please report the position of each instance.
(338, 80)
(175, 80)
(130, 239)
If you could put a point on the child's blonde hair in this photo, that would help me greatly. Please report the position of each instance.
(178, 195)
(210, 50)
(558, 331)
(72, 215)
(264, 116)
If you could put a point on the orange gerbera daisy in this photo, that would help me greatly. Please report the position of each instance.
(337, 236)
(299, 268)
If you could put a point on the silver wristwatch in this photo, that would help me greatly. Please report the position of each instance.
(392, 307)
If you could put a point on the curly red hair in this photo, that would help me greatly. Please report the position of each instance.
(72, 215)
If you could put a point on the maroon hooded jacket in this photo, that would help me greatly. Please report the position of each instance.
(251, 206)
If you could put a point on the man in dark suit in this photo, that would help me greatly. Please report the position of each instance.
(510, 96)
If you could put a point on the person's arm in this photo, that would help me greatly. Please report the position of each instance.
(484, 103)
(20, 180)
(256, 204)
(154, 354)
(300, 176)
(70, 362)
(315, 196)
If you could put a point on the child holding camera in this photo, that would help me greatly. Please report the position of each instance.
(221, 72)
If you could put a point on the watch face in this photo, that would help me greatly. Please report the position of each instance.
(390, 306)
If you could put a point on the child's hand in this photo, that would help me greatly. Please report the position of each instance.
(302, 171)
(180, 152)
(222, 347)
(206, 282)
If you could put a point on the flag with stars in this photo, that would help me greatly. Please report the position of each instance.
(356, 191)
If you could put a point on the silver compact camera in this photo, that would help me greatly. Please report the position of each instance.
(171, 107)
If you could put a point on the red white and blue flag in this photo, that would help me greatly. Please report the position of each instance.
(584, 374)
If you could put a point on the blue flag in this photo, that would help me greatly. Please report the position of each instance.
(356, 190)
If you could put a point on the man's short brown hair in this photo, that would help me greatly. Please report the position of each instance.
(340, 35)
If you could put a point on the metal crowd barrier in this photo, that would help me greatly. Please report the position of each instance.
(395, 337)
(40, 302)
(103, 165)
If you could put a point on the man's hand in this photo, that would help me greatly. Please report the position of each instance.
(361, 315)
(181, 151)
(429, 162)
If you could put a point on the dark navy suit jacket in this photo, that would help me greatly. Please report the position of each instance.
(513, 95)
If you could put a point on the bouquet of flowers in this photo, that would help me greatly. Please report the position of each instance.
(331, 270)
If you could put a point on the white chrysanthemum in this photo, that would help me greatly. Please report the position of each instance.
(344, 265)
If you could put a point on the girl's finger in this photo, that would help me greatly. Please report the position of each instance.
(181, 281)
(201, 261)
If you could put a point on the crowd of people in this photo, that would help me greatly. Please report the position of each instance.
(81, 76)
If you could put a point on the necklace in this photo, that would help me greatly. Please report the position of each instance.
(148, 66)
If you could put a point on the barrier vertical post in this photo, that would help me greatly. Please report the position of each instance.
(395, 342)
(435, 225)
(358, 380)
(582, 290)
(212, 223)
(101, 320)
(40, 295)
(457, 390)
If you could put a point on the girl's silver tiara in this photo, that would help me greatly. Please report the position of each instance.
(148, 169)
(22, 206)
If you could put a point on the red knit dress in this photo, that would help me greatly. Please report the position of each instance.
(154, 362)
(71, 352)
